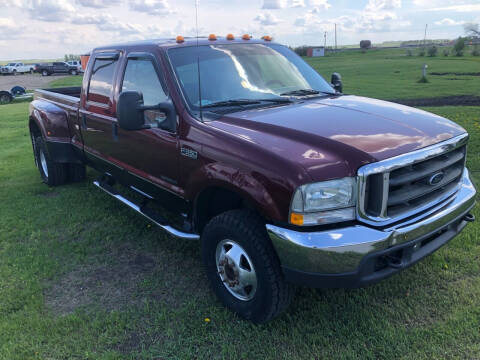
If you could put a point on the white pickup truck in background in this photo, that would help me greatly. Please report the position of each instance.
(17, 68)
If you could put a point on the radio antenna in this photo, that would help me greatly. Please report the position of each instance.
(198, 64)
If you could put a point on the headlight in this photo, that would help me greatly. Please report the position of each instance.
(324, 202)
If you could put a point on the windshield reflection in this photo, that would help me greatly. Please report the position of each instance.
(241, 71)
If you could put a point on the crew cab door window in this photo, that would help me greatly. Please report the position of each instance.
(140, 75)
(101, 82)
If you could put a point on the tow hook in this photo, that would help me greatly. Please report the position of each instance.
(469, 218)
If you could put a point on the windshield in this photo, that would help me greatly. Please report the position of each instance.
(11, 64)
(242, 71)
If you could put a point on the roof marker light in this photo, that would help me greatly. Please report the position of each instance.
(180, 39)
(246, 37)
(212, 37)
(230, 37)
(267, 38)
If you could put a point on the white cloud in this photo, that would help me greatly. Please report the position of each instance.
(98, 4)
(449, 22)
(274, 4)
(80, 19)
(9, 30)
(46, 10)
(379, 5)
(319, 4)
(298, 3)
(267, 19)
(154, 7)
(459, 8)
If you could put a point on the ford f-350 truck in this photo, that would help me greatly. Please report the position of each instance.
(240, 144)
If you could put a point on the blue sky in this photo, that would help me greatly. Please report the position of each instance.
(51, 28)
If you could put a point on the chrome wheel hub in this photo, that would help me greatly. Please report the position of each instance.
(43, 162)
(236, 270)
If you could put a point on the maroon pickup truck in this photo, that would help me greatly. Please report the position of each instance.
(241, 144)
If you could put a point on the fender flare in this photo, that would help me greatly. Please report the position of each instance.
(245, 185)
(52, 123)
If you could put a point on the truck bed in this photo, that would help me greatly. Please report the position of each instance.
(69, 96)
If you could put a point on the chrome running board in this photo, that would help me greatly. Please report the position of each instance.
(156, 220)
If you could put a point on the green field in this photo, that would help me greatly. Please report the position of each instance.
(390, 74)
(82, 277)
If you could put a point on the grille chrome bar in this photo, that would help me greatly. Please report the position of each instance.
(394, 189)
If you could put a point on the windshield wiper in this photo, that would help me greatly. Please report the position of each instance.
(237, 102)
(231, 103)
(303, 92)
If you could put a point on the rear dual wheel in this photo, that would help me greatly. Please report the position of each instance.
(55, 173)
(243, 268)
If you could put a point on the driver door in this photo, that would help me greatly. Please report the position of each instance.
(149, 156)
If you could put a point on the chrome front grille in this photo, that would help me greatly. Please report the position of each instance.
(406, 185)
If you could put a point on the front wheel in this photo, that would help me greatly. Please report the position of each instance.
(243, 268)
(14, 72)
(44, 73)
(73, 72)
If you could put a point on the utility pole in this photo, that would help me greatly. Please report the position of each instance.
(325, 41)
(425, 36)
(335, 38)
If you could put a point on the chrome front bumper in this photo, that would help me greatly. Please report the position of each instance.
(345, 250)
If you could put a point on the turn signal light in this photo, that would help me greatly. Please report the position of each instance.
(180, 39)
(230, 37)
(212, 37)
(267, 38)
(246, 37)
(296, 219)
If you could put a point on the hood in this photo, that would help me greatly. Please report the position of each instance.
(343, 129)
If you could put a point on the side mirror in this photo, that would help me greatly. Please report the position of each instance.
(130, 112)
(337, 82)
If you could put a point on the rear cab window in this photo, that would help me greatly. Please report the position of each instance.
(100, 87)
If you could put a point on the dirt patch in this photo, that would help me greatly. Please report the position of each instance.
(29, 81)
(129, 277)
(455, 73)
(460, 100)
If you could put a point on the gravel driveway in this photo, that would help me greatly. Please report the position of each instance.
(30, 81)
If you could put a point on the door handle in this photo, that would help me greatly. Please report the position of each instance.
(84, 122)
(115, 131)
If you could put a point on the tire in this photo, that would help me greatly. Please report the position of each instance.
(76, 172)
(14, 72)
(44, 73)
(73, 72)
(5, 97)
(238, 231)
(31, 71)
(52, 173)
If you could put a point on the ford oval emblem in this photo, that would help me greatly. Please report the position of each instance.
(436, 178)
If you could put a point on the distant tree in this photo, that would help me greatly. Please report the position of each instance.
(476, 51)
(459, 46)
(445, 52)
(432, 51)
(365, 44)
(301, 50)
(472, 29)
(421, 52)
(66, 57)
(409, 52)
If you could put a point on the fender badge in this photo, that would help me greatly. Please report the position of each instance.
(189, 153)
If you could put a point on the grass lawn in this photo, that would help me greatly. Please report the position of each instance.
(390, 74)
(82, 277)
(75, 80)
